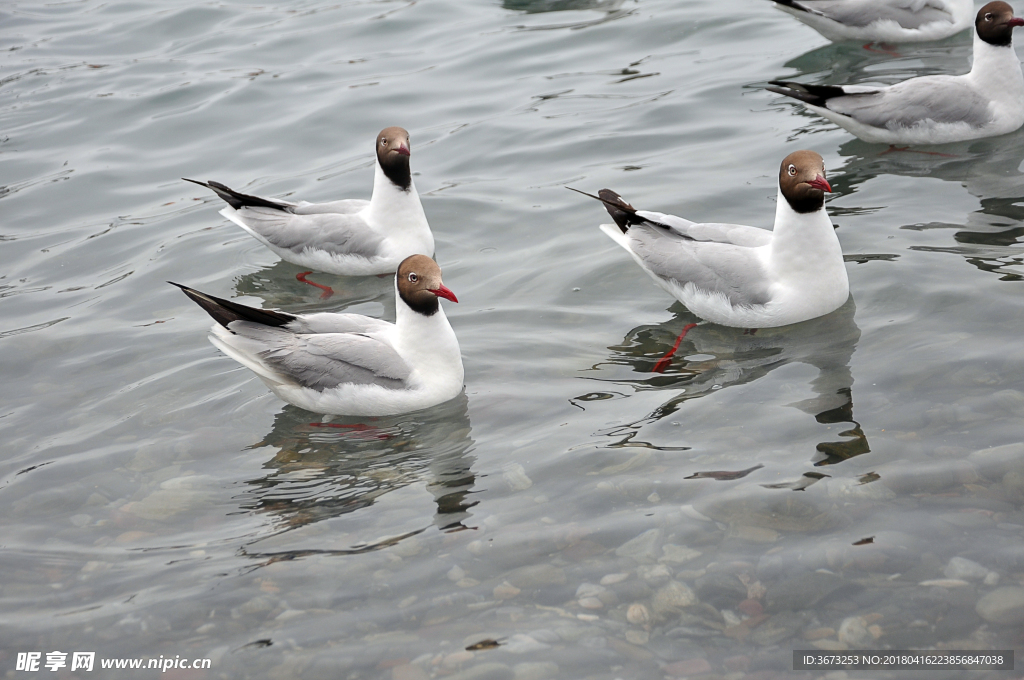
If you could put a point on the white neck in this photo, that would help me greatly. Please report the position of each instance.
(996, 70)
(428, 343)
(804, 245)
(390, 203)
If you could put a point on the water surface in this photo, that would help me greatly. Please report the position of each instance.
(159, 501)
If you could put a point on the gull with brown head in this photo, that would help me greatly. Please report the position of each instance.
(350, 237)
(987, 101)
(349, 364)
(742, 276)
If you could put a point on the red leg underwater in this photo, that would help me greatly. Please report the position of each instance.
(327, 290)
(664, 362)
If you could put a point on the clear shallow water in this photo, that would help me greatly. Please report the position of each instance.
(158, 501)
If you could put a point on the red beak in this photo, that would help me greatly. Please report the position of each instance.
(821, 183)
(403, 149)
(1016, 21)
(445, 292)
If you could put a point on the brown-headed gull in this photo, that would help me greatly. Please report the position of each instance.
(987, 101)
(741, 276)
(882, 20)
(351, 237)
(349, 364)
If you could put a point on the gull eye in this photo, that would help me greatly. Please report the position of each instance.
(791, 170)
(413, 278)
(384, 141)
(988, 17)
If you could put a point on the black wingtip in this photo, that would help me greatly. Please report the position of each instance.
(795, 91)
(783, 91)
(238, 200)
(623, 213)
(815, 95)
(596, 198)
(226, 311)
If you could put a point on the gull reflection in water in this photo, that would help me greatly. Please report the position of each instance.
(539, 6)
(989, 169)
(326, 471)
(712, 357)
(279, 289)
(611, 10)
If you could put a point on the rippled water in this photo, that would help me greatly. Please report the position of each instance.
(159, 501)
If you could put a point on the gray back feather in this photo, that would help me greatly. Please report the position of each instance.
(860, 13)
(730, 270)
(329, 322)
(345, 206)
(335, 233)
(943, 99)
(737, 234)
(326, 360)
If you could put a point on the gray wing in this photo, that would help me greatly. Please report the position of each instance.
(345, 206)
(329, 322)
(736, 234)
(943, 99)
(731, 270)
(907, 13)
(322, 361)
(341, 234)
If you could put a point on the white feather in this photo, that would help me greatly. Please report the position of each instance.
(923, 110)
(840, 20)
(801, 267)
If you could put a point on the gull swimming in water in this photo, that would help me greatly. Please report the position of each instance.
(882, 20)
(742, 276)
(987, 101)
(349, 364)
(351, 237)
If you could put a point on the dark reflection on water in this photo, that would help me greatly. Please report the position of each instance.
(988, 169)
(712, 357)
(327, 469)
(992, 241)
(843, 63)
(279, 289)
(612, 10)
(538, 6)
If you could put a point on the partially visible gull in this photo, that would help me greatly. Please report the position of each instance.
(882, 20)
(987, 101)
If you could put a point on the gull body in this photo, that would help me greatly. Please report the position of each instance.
(351, 237)
(890, 21)
(742, 276)
(349, 364)
(987, 101)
